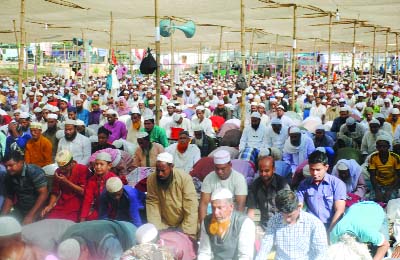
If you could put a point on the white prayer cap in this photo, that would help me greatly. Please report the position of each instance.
(342, 166)
(374, 121)
(135, 110)
(221, 102)
(148, 117)
(350, 121)
(384, 137)
(281, 107)
(344, 109)
(37, 110)
(146, 233)
(52, 116)
(261, 105)
(171, 105)
(379, 115)
(197, 128)
(165, 157)
(63, 157)
(222, 157)
(140, 135)
(70, 122)
(294, 130)
(103, 156)
(35, 125)
(9, 226)
(253, 104)
(24, 115)
(176, 117)
(250, 96)
(320, 127)
(114, 184)
(200, 108)
(395, 111)
(221, 193)
(111, 112)
(255, 115)
(341, 100)
(79, 122)
(276, 121)
(69, 249)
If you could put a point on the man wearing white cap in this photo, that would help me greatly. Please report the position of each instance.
(167, 116)
(368, 143)
(50, 133)
(321, 139)
(205, 143)
(156, 133)
(204, 122)
(297, 148)
(19, 133)
(116, 127)
(134, 125)
(11, 244)
(146, 153)
(254, 135)
(171, 200)
(121, 202)
(353, 131)
(221, 110)
(98, 239)
(226, 233)
(339, 121)
(178, 121)
(79, 145)
(226, 177)
(280, 113)
(38, 149)
(276, 134)
(394, 119)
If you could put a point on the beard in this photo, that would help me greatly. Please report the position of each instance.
(219, 228)
(182, 147)
(71, 137)
(255, 126)
(164, 183)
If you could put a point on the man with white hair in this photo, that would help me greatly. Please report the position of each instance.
(226, 233)
(223, 176)
(171, 200)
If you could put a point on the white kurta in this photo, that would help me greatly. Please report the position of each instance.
(206, 124)
(253, 138)
(276, 140)
(186, 160)
(80, 148)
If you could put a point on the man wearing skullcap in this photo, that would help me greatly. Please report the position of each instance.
(11, 244)
(157, 134)
(50, 133)
(95, 186)
(280, 113)
(205, 123)
(98, 239)
(26, 188)
(116, 127)
(66, 195)
(226, 177)
(79, 145)
(321, 139)
(205, 143)
(171, 200)
(121, 202)
(384, 169)
(340, 120)
(368, 143)
(38, 149)
(95, 113)
(185, 154)
(221, 110)
(134, 125)
(146, 153)
(226, 233)
(394, 119)
(353, 131)
(276, 134)
(254, 135)
(332, 111)
(19, 133)
(178, 122)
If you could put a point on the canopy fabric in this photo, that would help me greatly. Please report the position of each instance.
(66, 19)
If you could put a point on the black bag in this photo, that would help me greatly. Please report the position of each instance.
(148, 64)
(241, 83)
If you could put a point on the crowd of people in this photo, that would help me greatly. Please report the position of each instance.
(313, 174)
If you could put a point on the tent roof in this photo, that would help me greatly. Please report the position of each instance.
(71, 18)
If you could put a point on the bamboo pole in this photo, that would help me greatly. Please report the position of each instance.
(16, 38)
(397, 54)
(27, 63)
(158, 50)
(130, 55)
(172, 75)
(328, 79)
(200, 58)
(21, 50)
(111, 36)
(372, 67)
(353, 55)
(386, 53)
(243, 57)
(315, 58)
(276, 53)
(219, 54)
(251, 55)
(294, 58)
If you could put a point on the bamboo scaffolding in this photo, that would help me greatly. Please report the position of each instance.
(243, 57)
(294, 58)
(21, 52)
(158, 50)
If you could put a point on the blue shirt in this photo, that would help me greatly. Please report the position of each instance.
(127, 208)
(363, 220)
(320, 199)
(83, 115)
(20, 141)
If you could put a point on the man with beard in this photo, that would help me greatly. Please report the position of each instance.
(157, 134)
(81, 113)
(280, 113)
(178, 121)
(26, 188)
(76, 143)
(205, 143)
(394, 119)
(147, 152)
(297, 148)
(185, 154)
(368, 143)
(254, 135)
(226, 233)
(51, 131)
(332, 112)
(171, 200)
(353, 131)
(205, 123)
(167, 118)
(134, 125)
(226, 177)
(340, 120)
(19, 133)
(321, 139)
(38, 149)
(263, 190)
(276, 134)
(116, 127)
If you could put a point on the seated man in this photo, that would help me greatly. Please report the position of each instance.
(321, 139)
(223, 177)
(205, 143)
(38, 149)
(294, 233)
(366, 221)
(121, 202)
(323, 194)
(171, 197)
(263, 190)
(254, 135)
(185, 154)
(146, 153)
(297, 148)
(226, 233)
(384, 169)
(98, 239)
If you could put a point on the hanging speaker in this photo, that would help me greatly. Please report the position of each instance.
(167, 27)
